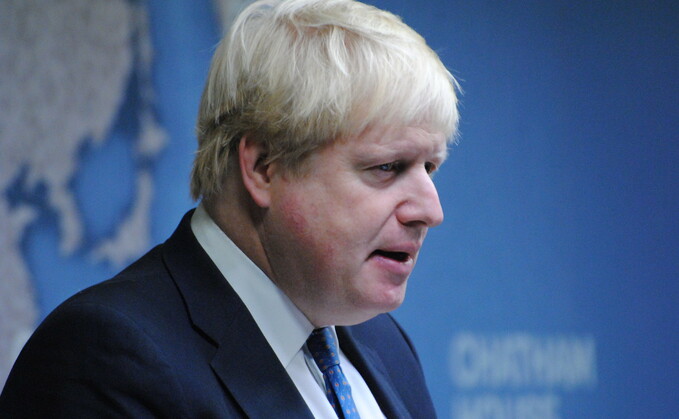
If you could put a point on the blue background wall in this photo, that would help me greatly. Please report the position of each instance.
(561, 200)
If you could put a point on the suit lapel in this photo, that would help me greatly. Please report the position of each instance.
(251, 371)
(244, 362)
(373, 371)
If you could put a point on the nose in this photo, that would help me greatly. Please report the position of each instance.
(421, 205)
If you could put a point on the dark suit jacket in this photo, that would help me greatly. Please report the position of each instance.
(168, 337)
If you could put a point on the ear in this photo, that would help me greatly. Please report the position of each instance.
(254, 170)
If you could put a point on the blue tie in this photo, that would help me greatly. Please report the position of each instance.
(323, 348)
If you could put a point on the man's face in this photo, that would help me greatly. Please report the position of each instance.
(343, 237)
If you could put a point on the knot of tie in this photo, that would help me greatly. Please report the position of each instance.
(324, 350)
(322, 346)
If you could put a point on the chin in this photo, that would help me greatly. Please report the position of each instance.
(384, 305)
(364, 307)
(392, 305)
(392, 298)
(359, 314)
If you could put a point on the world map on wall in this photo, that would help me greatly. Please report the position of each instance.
(79, 137)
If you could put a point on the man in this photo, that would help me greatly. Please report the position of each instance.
(320, 126)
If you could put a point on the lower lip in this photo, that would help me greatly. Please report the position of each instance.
(394, 267)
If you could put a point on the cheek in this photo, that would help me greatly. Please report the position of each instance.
(307, 227)
(294, 217)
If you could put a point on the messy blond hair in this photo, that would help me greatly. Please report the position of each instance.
(297, 74)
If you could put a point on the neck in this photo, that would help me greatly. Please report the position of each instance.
(236, 215)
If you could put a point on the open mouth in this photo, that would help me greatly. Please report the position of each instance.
(397, 256)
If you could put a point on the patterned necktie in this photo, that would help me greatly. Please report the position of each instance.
(323, 348)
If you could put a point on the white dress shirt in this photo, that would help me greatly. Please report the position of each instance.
(282, 324)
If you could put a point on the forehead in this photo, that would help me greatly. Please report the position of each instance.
(399, 139)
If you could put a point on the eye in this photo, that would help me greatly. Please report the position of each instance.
(386, 172)
(390, 167)
(430, 167)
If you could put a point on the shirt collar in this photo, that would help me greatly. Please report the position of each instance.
(283, 325)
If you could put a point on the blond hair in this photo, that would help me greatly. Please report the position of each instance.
(298, 74)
